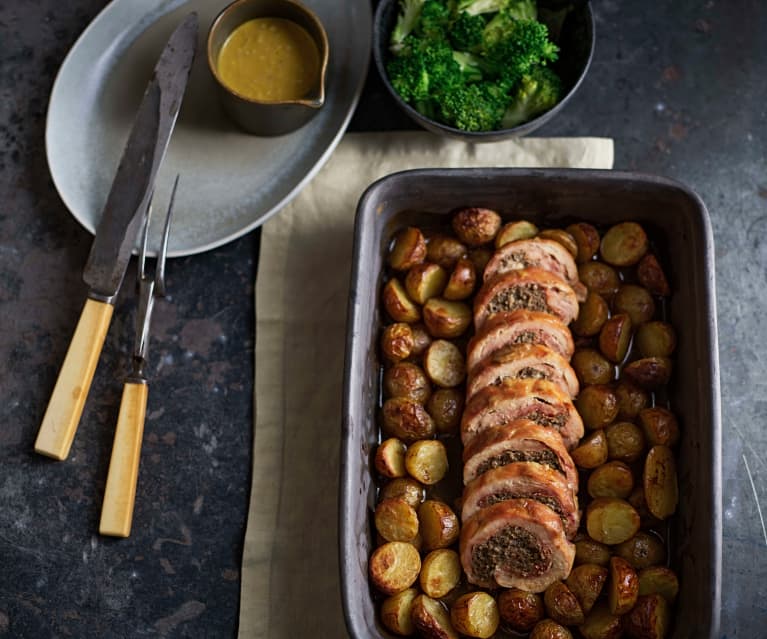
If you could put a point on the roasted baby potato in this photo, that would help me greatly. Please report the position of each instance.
(397, 304)
(405, 488)
(446, 407)
(655, 339)
(390, 458)
(638, 501)
(421, 339)
(642, 550)
(587, 239)
(624, 244)
(550, 629)
(611, 520)
(408, 249)
(613, 479)
(625, 441)
(649, 372)
(475, 614)
(660, 486)
(444, 363)
(446, 319)
(615, 337)
(600, 278)
(591, 367)
(592, 451)
(431, 619)
(651, 276)
(623, 588)
(395, 612)
(424, 281)
(513, 231)
(426, 461)
(440, 572)
(586, 581)
(660, 580)
(407, 420)
(592, 316)
(476, 226)
(561, 237)
(631, 399)
(600, 623)
(562, 605)
(394, 567)
(445, 251)
(659, 425)
(588, 551)
(480, 257)
(396, 520)
(439, 524)
(462, 280)
(520, 610)
(397, 341)
(407, 380)
(636, 302)
(597, 405)
(649, 619)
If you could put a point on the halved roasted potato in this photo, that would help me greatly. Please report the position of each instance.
(660, 580)
(394, 567)
(615, 337)
(445, 250)
(390, 458)
(444, 363)
(406, 380)
(426, 461)
(406, 419)
(592, 315)
(660, 484)
(396, 520)
(439, 524)
(591, 367)
(659, 425)
(562, 605)
(623, 588)
(655, 339)
(651, 276)
(446, 319)
(588, 551)
(408, 249)
(475, 226)
(611, 520)
(424, 281)
(462, 280)
(440, 572)
(592, 451)
(600, 623)
(475, 614)
(650, 618)
(431, 619)
(513, 231)
(586, 581)
(520, 610)
(613, 479)
(586, 237)
(397, 304)
(396, 612)
(550, 629)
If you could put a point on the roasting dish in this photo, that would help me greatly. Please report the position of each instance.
(679, 222)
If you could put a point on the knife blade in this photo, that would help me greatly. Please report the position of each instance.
(116, 236)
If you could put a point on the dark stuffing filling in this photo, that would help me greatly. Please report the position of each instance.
(545, 457)
(557, 420)
(526, 337)
(503, 495)
(513, 549)
(527, 296)
(530, 372)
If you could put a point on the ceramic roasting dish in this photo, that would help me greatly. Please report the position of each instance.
(677, 220)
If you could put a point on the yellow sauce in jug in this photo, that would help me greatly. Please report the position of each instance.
(269, 59)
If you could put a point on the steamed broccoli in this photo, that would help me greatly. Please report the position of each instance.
(409, 12)
(471, 66)
(434, 21)
(474, 107)
(423, 68)
(519, 9)
(466, 31)
(537, 92)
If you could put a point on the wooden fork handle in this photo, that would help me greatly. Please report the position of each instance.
(65, 407)
(120, 493)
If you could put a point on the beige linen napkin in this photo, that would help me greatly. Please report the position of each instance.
(290, 581)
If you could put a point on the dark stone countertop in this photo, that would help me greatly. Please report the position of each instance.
(679, 85)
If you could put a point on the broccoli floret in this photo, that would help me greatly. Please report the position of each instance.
(470, 65)
(518, 9)
(466, 31)
(424, 68)
(474, 107)
(511, 48)
(434, 20)
(409, 12)
(538, 91)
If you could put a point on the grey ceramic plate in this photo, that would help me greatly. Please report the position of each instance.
(231, 182)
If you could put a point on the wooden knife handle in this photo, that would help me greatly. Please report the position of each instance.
(71, 390)
(120, 493)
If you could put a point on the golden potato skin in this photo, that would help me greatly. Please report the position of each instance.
(476, 226)
(520, 610)
(444, 363)
(407, 420)
(550, 629)
(591, 367)
(440, 572)
(597, 405)
(431, 619)
(636, 302)
(600, 623)
(421, 339)
(592, 315)
(409, 249)
(615, 337)
(651, 276)
(405, 488)
(660, 483)
(397, 341)
(561, 237)
(562, 605)
(649, 372)
(613, 479)
(475, 614)
(649, 619)
(396, 520)
(394, 567)
(600, 278)
(586, 582)
(462, 281)
(586, 238)
(592, 451)
(623, 588)
(480, 256)
(445, 251)
(655, 339)
(407, 380)
(642, 550)
(660, 426)
(631, 399)
(588, 551)
(624, 244)
(625, 441)
(513, 231)
(424, 281)
(396, 612)
(660, 580)
(389, 459)
(611, 521)
(397, 304)
(439, 524)
(426, 461)
(446, 407)
(446, 319)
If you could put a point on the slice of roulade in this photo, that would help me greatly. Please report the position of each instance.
(523, 480)
(520, 441)
(540, 253)
(518, 543)
(538, 400)
(519, 327)
(531, 289)
(524, 361)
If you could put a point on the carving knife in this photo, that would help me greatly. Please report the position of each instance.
(116, 236)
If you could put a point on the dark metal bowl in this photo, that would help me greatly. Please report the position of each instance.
(576, 43)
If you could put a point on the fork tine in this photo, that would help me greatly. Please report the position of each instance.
(160, 270)
(144, 238)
